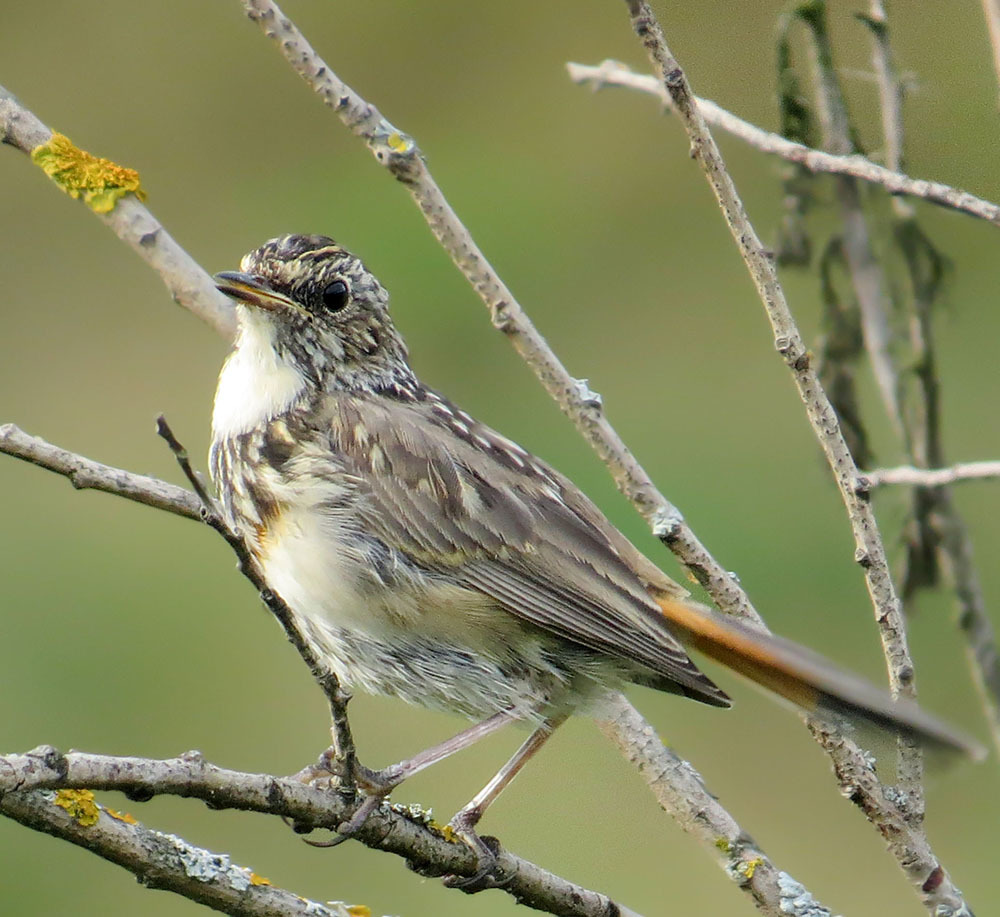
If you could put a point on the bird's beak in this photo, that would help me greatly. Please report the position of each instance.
(254, 292)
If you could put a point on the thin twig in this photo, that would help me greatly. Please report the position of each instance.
(336, 696)
(890, 92)
(188, 284)
(393, 829)
(611, 73)
(924, 871)
(685, 797)
(932, 477)
(693, 812)
(85, 474)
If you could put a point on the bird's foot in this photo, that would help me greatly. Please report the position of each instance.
(488, 873)
(348, 777)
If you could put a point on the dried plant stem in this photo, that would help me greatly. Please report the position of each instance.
(870, 288)
(611, 73)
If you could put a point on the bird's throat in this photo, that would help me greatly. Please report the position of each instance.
(256, 384)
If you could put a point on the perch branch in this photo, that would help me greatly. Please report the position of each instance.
(188, 284)
(395, 829)
(163, 861)
(611, 73)
(870, 552)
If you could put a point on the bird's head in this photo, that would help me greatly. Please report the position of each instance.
(319, 311)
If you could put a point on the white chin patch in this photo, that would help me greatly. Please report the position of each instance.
(255, 384)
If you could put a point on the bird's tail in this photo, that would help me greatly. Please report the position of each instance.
(805, 678)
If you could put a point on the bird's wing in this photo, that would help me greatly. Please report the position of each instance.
(458, 498)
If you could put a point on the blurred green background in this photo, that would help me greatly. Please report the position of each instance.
(124, 630)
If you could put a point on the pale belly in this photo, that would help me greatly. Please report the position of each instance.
(388, 627)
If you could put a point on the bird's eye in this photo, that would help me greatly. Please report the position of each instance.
(335, 296)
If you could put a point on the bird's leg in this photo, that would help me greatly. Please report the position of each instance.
(377, 784)
(464, 822)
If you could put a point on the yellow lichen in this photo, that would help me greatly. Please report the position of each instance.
(100, 182)
(750, 867)
(258, 880)
(397, 142)
(121, 816)
(722, 844)
(359, 910)
(80, 805)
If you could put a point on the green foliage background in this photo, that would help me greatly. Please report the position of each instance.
(123, 630)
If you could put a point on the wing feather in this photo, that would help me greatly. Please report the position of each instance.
(504, 523)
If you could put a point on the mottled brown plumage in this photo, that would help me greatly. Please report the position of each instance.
(431, 558)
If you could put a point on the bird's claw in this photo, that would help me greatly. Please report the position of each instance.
(487, 849)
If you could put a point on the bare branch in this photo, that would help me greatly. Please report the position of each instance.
(164, 861)
(86, 474)
(132, 222)
(611, 73)
(406, 832)
(686, 798)
(932, 477)
(870, 552)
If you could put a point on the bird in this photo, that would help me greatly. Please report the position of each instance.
(428, 557)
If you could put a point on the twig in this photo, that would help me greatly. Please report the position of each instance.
(337, 697)
(85, 474)
(670, 784)
(611, 73)
(685, 797)
(132, 222)
(164, 861)
(991, 10)
(394, 829)
(870, 552)
(931, 477)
